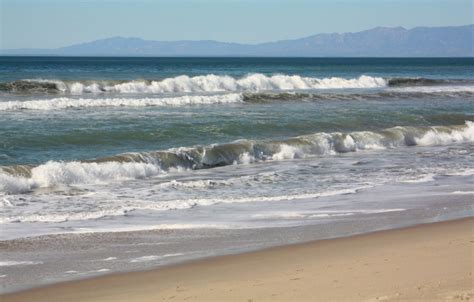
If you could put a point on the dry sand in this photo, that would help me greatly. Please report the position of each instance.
(432, 262)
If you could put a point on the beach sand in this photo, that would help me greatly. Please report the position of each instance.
(432, 262)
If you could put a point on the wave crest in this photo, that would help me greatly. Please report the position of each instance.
(67, 103)
(268, 97)
(220, 83)
(187, 84)
(143, 165)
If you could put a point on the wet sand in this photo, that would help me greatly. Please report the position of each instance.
(432, 262)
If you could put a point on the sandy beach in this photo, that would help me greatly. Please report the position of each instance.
(431, 262)
(236, 151)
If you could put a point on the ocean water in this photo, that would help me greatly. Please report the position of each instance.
(103, 145)
(106, 143)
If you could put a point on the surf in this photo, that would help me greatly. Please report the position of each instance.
(19, 179)
(188, 84)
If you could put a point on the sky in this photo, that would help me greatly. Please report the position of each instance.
(57, 23)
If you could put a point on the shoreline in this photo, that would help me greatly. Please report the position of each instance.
(421, 254)
(52, 259)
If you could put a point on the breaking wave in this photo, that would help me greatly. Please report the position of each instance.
(264, 97)
(67, 103)
(18, 179)
(186, 84)
(218, 83)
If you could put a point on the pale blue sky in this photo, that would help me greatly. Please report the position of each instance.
(56, 23)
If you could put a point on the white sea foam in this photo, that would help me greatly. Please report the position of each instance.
(220, 83)
(212, 183)
(436, 136)
(288, 152)
(171, 226)
(435, 89)
(252, 82)
(462, 172)
(420, 179)
(65, 216)
(65, 103)
(177, 204)
(100, 270)
(321, 214)
(53, 173)
(189, 203)
(331, 143)
(154, 257)
(15, 263)
(463, 192)
(5, 203)
(14, 184)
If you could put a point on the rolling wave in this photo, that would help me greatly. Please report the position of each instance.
(395, 93)
(218, 83)
(67, 103)
(19, 179)
(265, 97)
(403, 82)
(186, 84)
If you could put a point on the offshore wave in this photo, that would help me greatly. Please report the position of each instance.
(19, 179)
(69, 103)
(218, 83)
(266, 97)
(396, 93)
(403, 82)
(186, 84)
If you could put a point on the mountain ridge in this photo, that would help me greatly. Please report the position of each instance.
(450, 41)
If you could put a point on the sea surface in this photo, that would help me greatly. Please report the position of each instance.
(228, 146)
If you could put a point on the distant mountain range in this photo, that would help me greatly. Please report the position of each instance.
(454, 41)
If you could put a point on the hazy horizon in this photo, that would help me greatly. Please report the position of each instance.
(242, 43)
(34, 24)
(453, 41)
